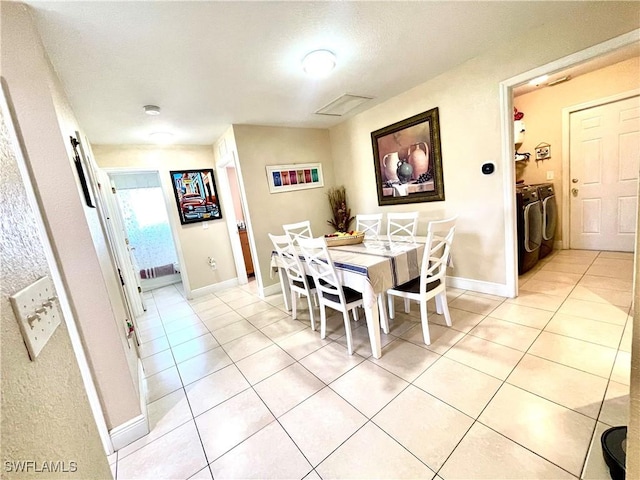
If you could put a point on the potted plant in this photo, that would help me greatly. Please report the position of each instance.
(341, 213)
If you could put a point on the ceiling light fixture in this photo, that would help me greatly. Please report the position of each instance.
(152, 110)
(538, 80)
(161, 137)
(319, 63)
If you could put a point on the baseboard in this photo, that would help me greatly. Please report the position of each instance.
(158, 282)
(478, 286)
(558, 245)
(271, 290)
(129, 432)
(216, 287)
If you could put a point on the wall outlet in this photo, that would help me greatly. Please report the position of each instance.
(542, 153)
(550, 175)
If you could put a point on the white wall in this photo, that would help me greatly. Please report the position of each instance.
(198, 240)
(31, 81)
(469, 107)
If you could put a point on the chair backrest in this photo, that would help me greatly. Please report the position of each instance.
(319, 263)
(402, 224)
(437, 249)
(289, 259)
(298, 230)
(369, 224)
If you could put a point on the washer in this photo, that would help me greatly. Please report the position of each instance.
(529, 210)
(547, 196)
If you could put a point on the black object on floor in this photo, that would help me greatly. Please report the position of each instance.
(614, 446)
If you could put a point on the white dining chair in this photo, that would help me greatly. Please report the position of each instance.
(403, 225)
(331, 293)
(299, 282)
(369, 224)
(432, 280)
(298, 230)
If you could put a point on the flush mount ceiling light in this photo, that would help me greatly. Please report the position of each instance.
(161, 137)
(538, 80)
(319, 63)
(152, 110)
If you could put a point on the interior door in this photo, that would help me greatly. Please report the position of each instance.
(604, 163)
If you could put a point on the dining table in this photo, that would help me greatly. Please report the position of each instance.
(371, 268)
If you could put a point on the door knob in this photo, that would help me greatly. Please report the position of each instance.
(574, 191)
(574, 180)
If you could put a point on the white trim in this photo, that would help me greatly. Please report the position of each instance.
(508, 150)
(566, 152)
(225, 193)
(148, 284)
(63, 299)
(129, 432)
(271, 290)
(479, 286)
(215, 287)
(559, 245)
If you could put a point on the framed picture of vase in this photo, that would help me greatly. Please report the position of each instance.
(407, 160)
(297, 176)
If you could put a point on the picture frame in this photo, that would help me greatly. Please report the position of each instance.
(196, 195)
(296, 176)
(79, 161)
(408, 160)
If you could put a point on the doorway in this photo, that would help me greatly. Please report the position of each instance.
(146, 224)
(507, 89)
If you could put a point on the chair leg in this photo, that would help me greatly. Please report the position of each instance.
(354, 312)
(323, 322)
(313, 321)
(425, 323)
(382, 309)
(392, 310)
(407, 305)
(439, 305)
(347, 327)
(294, 305)
(445, 307)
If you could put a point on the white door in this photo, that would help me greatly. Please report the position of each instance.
(604, 164)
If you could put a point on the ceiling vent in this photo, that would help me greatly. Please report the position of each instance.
(342, 105)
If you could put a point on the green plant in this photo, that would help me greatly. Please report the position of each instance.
(341, 213)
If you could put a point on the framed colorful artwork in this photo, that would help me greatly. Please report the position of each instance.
(196, 195)
(297, 176)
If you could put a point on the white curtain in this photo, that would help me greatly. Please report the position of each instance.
(145, 218)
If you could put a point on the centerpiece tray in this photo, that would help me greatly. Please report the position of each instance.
(340, 240)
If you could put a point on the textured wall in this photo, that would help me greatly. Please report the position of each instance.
(45, 411)
(32, 86)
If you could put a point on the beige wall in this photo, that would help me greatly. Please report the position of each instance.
(31, 81)
(543, 118)
(196, 241)
(469, 107)
(258, 147)
(45, 411)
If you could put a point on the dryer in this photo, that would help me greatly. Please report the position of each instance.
(547, 196)
(529, 221)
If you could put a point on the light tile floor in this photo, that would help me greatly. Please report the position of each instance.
(516, 388)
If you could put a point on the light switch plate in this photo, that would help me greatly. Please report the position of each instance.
(38, 312)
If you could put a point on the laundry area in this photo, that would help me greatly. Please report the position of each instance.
(577, 160)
